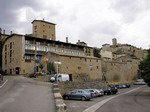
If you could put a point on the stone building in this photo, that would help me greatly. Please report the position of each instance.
(120, 61)
(43, 29)
(22, 54)
(78, 67)
(120, 70)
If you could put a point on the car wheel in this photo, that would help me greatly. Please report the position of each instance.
(109, 93)
(83, 98)
(114, 92)
(66, 97)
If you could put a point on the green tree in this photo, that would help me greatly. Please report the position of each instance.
(144, 67)
(51, 68)
(41, 66)
(97, 52)
(2, 41)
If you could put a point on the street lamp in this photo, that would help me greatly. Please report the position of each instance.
(57, 63)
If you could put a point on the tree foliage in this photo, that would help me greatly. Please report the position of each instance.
(97, 52)
(51, 68)
(144, 67)
(2, 41)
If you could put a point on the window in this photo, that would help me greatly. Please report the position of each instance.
(35, 27)
(10, 53)
(28, 58)
(10, 60)
(79, 68)
(5, 55)
(5, 47)
(10, 45)
(5, 61)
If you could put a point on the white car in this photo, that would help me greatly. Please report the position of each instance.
(52, 79)
(96, 92)
(139, 82)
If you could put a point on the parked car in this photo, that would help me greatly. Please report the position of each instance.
(127, 85)
(60, 77)
(122, 86)
(110, 89)
(114, 89)
(139, 82)
(78, 94)
(100, 92)
(107, 90)
(93, 92)
(96, 92)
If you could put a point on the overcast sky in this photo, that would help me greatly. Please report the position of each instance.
(95, 22)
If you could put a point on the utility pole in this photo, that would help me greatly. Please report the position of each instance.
(35, 55)
(57, 63)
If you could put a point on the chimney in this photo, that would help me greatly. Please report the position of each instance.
(11, 32)
(3, 31)
(78, 41)
(66, 39)
(114, 41)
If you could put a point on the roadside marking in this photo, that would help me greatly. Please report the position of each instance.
(101, 103)
(3, 83)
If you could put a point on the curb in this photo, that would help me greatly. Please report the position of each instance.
(60, 105)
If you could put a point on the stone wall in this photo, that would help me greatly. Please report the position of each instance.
(68, 86)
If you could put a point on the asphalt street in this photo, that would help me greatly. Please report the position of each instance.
(136, 101)
(22, 94)
(95, 104)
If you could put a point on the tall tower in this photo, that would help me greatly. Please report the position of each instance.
(114, 41)
(43, 29)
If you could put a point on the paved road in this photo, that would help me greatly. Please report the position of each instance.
(21, 94)
(136, 101)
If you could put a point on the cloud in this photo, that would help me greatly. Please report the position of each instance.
(130, 9)
(94, 21)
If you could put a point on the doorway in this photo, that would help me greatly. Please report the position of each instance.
(17, 70)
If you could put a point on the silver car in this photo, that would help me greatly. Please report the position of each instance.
(96, 92)
(79, 94)
(139, 82)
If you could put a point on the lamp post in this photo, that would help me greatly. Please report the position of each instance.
(35, 56)
(57, 63)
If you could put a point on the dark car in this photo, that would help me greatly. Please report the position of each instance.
(78, 94)
(122, 86)
(127, 85)
(114, 89)
(110, 89)
(107, 90)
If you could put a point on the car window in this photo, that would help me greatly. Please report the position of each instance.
(79, 91)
